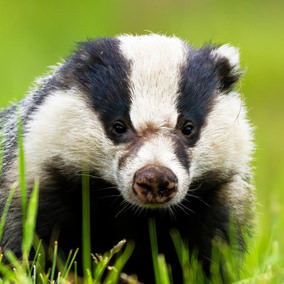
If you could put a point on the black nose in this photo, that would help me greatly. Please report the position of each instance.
(155, 184)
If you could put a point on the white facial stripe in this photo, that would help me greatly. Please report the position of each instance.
(65, 126)
(226, 141)
(159, 150)
(154, 78)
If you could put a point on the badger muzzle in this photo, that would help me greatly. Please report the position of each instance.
(155, 184)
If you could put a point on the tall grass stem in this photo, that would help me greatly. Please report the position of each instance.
(86, 232)
(154, 248)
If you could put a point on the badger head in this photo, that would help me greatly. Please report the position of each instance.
(149, 114)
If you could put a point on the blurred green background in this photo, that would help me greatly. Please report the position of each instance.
(36, 34)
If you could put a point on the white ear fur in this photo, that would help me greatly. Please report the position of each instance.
(229, 52)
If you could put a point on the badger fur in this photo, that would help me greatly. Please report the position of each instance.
(162, 132)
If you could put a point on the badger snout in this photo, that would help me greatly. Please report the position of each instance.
(155, 184)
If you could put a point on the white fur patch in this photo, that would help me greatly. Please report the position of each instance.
(226, 140)
(64, 126)
(230, 52)
(154, 78)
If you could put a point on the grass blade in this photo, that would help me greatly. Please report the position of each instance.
(183, 254)
(163, 269)
(30, 223)
(54, 261)
(40, 258)
(86, 232)
(34, 274)
(7, 274)
(67, 263)
(67, 269)
(75, 273)
(38, 249)
(101, 263)
(113, 276)
(154, 248)
(5, 211)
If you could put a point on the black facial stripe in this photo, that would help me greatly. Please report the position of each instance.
(181, 153)
(132, 151)
(179, 150)
(198, 85)
(101, 71)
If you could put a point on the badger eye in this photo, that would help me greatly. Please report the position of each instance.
(118, 128)
(187, 129)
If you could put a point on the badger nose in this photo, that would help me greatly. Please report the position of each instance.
(155, 184)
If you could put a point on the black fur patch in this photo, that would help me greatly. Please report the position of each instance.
(199, 219)
(101, 71)
(199, 80)
(181, 153)
(228, 75)
(202, 78)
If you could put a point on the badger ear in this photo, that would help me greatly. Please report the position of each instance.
(227, 60)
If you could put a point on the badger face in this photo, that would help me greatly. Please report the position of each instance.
(149, 114)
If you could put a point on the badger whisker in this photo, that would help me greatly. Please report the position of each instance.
(193, 189)
(138, 210)
(125, 206)
(89, 175)
(189, 195)
(171, 210)
(185, 209)
(116, 196)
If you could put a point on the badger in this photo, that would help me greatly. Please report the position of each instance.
(163, 133)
